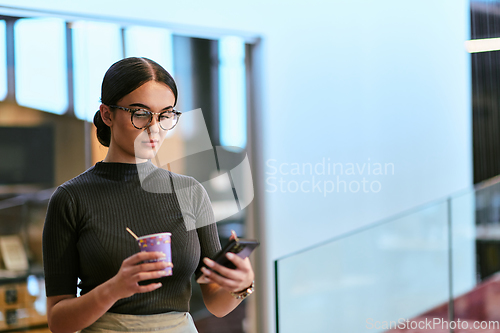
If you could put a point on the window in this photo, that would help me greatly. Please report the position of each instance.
(3, 61)
(40, 64)
(152, 43)
(96, 46)
(232, 93)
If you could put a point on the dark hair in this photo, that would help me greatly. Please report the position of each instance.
(121, 79)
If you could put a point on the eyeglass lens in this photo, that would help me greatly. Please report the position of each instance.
(167, 120)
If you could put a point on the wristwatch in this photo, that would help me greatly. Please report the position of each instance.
(244, 293)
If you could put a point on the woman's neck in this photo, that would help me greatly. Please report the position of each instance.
(135, 161)
(117, 156)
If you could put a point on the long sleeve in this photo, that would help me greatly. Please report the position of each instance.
(205, 223)
(60, 255)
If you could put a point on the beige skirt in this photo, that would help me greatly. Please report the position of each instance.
(171, 322)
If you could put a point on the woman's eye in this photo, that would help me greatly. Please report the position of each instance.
(166, 115)
(141, 114)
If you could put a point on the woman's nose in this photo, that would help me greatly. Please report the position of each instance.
(154, 126)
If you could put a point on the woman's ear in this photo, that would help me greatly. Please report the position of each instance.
(106, 114)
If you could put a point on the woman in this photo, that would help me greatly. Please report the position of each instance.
(85, 229)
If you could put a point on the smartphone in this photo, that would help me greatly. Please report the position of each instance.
(241, 247)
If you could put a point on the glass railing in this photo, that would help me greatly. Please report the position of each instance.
(432, 269)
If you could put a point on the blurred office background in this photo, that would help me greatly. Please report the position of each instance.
(370, 127)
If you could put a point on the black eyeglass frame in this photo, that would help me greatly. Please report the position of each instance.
(132, 111)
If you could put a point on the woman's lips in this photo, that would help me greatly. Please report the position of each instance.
(151, 143)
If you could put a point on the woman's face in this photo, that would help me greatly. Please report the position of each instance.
(129, 144)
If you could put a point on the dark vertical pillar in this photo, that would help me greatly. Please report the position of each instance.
(485, 66)
(10, 47)
(205, 67)
(69, 70)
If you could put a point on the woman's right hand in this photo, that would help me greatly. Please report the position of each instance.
(126, 282)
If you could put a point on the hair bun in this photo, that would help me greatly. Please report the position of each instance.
(103, 130)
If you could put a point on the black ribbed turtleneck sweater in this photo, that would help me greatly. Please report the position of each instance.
(85, 237)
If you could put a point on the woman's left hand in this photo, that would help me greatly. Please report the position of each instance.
(232, 280)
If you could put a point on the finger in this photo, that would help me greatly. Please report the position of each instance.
(203, 279)
(141, 256)
(243, 264)
(149, 275)
(227, 272)
(220, 280)
(149, 287)
(233, 235)
(151, 266)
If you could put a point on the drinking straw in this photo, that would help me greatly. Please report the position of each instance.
(130, 231)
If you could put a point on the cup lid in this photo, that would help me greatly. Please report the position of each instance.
(155, 235)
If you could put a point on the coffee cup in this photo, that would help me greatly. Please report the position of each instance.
(158, 243)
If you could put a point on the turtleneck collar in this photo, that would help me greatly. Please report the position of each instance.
(123, 171)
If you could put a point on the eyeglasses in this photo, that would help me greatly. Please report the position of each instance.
(141, 118)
